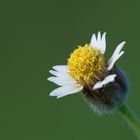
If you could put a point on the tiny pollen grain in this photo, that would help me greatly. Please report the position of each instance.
(84, 63)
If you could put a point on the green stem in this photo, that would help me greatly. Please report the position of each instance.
(131, 119)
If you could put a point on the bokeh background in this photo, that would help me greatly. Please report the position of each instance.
(37, 34)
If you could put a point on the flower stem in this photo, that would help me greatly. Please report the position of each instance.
(131, 119)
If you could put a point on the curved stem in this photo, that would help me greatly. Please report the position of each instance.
(131, 119)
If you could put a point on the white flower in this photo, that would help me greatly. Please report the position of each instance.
(73, 82)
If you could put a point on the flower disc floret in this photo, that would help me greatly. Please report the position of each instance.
(84, 63)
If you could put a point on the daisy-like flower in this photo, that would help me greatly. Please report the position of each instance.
(104, 85)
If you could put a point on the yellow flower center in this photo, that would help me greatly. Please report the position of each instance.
(84, 64)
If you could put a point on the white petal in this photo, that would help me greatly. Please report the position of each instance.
(103, 43)
(60, 68)
(107, 80)
(58, 74)
(93, 40)
(66, 90)
(118, 49)
(62, 81)
(100, 42)
(115, 58)
(99, 37)
(116, 55)
(55, 73)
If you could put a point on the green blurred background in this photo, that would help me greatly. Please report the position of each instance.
(37, 34)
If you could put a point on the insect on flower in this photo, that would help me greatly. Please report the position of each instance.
(103, 85)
